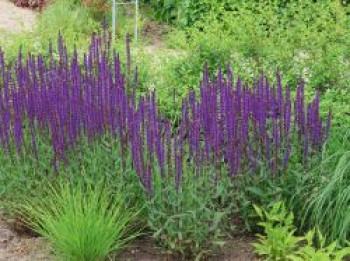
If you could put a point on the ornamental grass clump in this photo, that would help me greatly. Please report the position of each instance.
(61, 99)
(81, 223)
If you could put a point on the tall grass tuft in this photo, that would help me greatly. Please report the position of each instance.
(329, 204)
(80, 222)
(326, 191)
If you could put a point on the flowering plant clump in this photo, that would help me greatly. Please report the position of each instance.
(245, 126)
(229, 125)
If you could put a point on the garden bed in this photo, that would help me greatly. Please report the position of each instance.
(174, 146)
(17, 243)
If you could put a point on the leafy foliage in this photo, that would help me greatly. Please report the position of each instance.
(280, 243)
(322, 252)
(185, 12)
(191, 220)
(304, 40)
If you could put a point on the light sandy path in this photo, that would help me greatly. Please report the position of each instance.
(15, 247)
(14, 19)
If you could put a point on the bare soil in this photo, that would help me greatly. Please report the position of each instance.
(236, 249)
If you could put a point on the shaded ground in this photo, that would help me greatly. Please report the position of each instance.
(236, 249)
(14, 19)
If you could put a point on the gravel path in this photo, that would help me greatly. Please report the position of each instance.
(15, 247)
(14, 19)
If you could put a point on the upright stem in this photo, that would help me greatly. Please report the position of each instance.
(136, 19)
(114, 13)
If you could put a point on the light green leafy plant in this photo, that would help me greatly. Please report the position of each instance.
(184, 13)
(323, 252)
(278, 241)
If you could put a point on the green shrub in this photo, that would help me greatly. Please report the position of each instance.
(90, 162)
(191, 220)
(338, 101)
(81, 223)
(304, 40)
(186, 12)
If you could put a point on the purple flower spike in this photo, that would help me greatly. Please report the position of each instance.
(230, 126)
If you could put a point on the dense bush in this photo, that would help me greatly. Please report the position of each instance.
(185, 12)
(304, 40)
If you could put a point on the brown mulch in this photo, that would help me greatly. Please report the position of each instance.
(32, 4)
(236, 249)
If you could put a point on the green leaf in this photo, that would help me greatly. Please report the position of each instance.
(258, 211)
